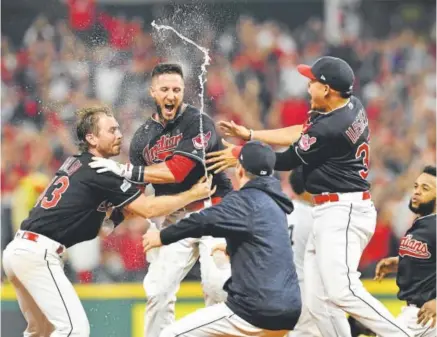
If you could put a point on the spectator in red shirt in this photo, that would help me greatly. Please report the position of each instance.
(81, 14)
(121, 32)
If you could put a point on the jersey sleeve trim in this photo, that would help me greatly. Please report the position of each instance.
(189, 155)
(129, 200)
(300, 157)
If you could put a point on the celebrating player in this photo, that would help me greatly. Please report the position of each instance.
(70, 211)
(300, 224)
(333, 147)
(263, 292)
(167, 151)
(415, 264)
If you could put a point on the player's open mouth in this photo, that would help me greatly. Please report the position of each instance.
(169, 108)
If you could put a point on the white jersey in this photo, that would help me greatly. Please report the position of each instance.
(300, 223)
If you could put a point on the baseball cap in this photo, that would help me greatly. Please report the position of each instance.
(332, 71)
(257, 158)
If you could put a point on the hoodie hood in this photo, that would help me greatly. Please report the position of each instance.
(272, 187)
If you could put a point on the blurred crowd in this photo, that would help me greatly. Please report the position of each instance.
(97, 58)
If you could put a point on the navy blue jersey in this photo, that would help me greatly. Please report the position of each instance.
(155, 143)
(74, 204)
(333, 149)
(417, 270)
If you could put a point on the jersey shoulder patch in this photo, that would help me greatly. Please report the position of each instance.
(306, 141)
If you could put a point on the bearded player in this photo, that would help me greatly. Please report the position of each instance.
(167, 151)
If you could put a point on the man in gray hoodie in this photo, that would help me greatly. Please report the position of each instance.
(263, 291)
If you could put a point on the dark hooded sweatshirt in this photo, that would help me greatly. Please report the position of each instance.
(263, 288)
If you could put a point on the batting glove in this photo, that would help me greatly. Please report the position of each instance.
(127, 171)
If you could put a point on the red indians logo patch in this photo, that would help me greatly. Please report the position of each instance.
(306, 141)
(414, 248)
(162, 149)
(197, 141)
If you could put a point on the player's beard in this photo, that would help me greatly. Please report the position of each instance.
(424, 208)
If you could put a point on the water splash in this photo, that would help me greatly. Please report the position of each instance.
(202, 81)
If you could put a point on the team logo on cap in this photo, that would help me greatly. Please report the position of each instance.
(414, 248)
(306, 141)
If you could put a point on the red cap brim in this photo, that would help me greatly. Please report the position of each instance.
(305, 70)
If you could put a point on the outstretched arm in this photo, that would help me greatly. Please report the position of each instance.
(228, 219)
(151, 206)
(284, 136)
(171, 171)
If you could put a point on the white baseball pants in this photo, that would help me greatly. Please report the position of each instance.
(46, 297)
(168, 267)
(215, 321)
(408, 317)
(340, 233)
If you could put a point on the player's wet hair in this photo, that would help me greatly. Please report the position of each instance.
(296, 181)
(87, 122)
(167, 68)
(430, 170)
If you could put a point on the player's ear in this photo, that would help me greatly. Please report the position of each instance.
(91, 139)
(327, 90)
(152, 91)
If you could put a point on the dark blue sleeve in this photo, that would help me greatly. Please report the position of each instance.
(314, 146)
(231, 218)
(135, 149)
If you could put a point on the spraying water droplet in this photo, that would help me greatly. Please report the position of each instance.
(202, 81)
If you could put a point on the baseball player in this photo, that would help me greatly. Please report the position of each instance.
(167, 151)
(300, 223)
(333, 147)
(263, 294)
(416, 263)
(70, 211)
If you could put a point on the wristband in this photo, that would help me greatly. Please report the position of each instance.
(137, 174)
(250, 134)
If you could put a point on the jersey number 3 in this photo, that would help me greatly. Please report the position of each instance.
(363, 153)
(61, 184)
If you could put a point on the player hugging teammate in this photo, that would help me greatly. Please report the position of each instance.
(167, 151)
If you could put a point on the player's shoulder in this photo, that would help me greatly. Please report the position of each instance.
(191, 116)
(428, 221)
(77, 166)
(337, 121)
(348, 113)
(144, 127)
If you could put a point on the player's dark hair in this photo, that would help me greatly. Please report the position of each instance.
(429, 170)
(87, 122)
(296, 181)
(167, 68)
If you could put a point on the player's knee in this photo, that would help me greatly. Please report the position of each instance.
(213, 290)
(157, 294)
(338, 295)
(77, 327)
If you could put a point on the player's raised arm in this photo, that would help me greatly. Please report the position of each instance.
(151, 206)
(284, 136)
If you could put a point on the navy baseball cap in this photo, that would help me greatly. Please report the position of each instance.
(332, 71)
(258, 158)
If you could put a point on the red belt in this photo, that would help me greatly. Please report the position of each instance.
(34, 237)
(198, 205)
(320, 199)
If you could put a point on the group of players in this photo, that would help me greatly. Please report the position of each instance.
(329, 159)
